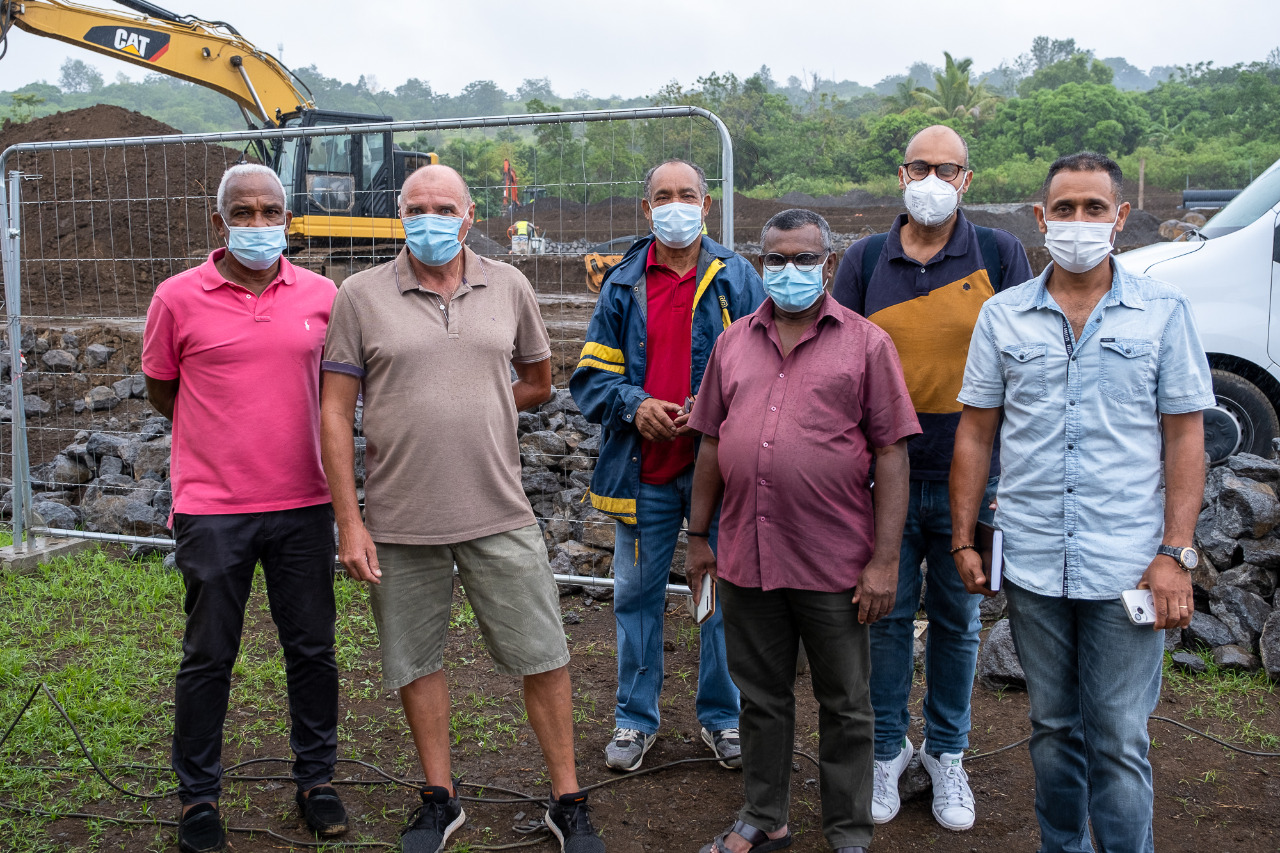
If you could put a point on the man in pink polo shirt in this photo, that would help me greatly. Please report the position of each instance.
(232, 356)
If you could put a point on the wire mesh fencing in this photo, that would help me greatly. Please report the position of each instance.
(92, 227)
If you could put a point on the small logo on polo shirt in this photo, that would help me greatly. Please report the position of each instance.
(307, 324)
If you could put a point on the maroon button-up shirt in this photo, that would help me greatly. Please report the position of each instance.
(796, 438)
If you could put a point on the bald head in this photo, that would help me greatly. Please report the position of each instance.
(435, 180)
(942, 143)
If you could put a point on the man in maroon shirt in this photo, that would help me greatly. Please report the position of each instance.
(797, 403)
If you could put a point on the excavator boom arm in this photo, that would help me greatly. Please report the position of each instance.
(208, 54)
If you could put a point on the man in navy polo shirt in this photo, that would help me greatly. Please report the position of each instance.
(924, 282)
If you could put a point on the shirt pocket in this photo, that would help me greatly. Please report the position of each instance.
(824, 400)
(1125, 371)
(1026, 379)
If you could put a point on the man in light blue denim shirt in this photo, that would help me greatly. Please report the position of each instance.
(1095, 372)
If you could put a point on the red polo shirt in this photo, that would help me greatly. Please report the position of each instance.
(668, 363)
(796, 439)
(246, 423)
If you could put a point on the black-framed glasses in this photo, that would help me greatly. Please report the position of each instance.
(918, 170)
(805, 261)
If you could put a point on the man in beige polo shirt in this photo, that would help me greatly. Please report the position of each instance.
(432, 337)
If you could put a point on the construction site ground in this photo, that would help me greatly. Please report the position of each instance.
(1207, 797)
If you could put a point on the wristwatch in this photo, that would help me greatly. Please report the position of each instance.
(1186, 557)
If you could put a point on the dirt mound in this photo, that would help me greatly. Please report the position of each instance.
(100, 122)
(101, 227)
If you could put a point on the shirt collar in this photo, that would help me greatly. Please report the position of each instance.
(212, 278)
(1124, 290)
(651, 261)
(473, 272)
(957, 244)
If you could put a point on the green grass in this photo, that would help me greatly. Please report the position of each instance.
(1239, 700)
(105, 635)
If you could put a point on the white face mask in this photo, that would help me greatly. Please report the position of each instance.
(1078, 246)
(931, 200)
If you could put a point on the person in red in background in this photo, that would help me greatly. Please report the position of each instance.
(231, 353)
(659, 312)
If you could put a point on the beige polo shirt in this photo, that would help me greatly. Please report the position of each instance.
(442, 462)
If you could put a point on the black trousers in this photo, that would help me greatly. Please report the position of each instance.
(216, 555)
(762, 633)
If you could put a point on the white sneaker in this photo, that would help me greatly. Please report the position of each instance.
(952, 798)
(884, 795)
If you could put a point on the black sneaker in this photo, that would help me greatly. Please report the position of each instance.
(569, 820)
(200, 830)
(433, 821)
(323, 811)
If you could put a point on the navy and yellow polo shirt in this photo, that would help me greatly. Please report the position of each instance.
(929, 311)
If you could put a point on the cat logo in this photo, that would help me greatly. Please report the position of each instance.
(147, 45)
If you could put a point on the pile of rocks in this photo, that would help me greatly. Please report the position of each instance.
(106, 482)
(1237, 612)
(1177, 229)
(118, 482)
(558, 451)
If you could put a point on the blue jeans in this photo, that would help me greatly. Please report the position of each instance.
(640, 574)
(951, 649)
(1093, 679)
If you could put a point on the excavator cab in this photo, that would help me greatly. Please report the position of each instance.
(346, 174)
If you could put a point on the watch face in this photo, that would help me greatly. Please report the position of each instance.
(1190, 558)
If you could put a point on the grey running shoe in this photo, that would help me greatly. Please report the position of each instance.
(627, 749)
(569, 820)
(433, 822)
(727, 746)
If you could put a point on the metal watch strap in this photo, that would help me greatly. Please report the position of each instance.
(1175, 553)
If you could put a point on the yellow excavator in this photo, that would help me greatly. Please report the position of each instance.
(340, 187)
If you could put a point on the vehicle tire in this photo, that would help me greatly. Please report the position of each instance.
(1243, 421)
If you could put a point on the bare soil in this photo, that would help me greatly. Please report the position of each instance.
(1207, 798)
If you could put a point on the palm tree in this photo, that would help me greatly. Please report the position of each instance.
(954, 93)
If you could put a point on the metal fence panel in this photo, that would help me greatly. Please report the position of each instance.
(93, 226)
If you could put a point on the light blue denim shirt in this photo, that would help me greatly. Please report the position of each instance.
(1079, 497)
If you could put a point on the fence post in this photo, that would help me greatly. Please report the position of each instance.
(11, 221)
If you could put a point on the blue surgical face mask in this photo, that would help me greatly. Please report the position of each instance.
(793, 290)
(677, 224)
(432, 238)
(257, 248)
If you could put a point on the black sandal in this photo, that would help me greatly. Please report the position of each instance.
(758, 839)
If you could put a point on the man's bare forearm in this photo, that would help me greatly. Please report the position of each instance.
(337, 445)
(1183, 476)
(892, 493)
(162, 394)
(708, 485)
(970, 470)
(533, 384)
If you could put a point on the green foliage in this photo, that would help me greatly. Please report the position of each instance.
(954, 94)
(1052, 122)
(1080, 68)
(23, 107)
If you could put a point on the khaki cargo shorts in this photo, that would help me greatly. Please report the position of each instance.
(508, 581)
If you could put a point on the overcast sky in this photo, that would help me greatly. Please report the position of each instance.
(635, 48)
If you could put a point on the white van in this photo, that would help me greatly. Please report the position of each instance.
(1230, 270)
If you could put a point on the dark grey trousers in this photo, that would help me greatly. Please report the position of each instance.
(216, 555)
(762, 631)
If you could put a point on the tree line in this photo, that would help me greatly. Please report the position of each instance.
(1196, 125)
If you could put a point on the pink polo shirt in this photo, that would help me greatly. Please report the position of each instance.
(246, 423)
(797, 436)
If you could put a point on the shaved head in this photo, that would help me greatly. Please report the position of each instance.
(439, 178)
(935, 137)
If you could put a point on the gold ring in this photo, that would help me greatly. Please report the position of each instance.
(1182, 607)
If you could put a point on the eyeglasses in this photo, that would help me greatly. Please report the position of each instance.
(805, 261)
(918, 170)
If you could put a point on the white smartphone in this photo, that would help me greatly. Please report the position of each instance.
(702, 607)
(1140, 604)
